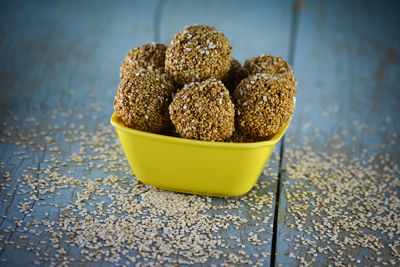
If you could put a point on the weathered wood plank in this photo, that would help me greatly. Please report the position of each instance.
(61, 59)
(253, 28)
(347, 65)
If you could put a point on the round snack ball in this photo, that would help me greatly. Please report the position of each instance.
(198, 53)
(142, 100)
(203, 111)
(264, 104)
(233, 77)
(147, 56)
(274, 66)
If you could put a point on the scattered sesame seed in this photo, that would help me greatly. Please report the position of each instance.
(111, 215)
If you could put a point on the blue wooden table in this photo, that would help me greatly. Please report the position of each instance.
(330, 194)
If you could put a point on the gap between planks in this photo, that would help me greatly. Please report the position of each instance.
(292, 44)
(157, 19)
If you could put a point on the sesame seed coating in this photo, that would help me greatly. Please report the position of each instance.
(198, 53)
(274, 66)
(203, 111)
(233, 77)
(264, 104)
(147, 56)
(142, 100)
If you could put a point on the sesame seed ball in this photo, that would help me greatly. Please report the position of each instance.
(233, 77)
(264, 104)
(203, 111)
(198, 53)
(274, 66)
(147, 56)
(142, 100)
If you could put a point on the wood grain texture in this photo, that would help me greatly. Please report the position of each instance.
(60, 59)
(347, 65)
(254, 28)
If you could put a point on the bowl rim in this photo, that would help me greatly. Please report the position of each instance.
(115, 121)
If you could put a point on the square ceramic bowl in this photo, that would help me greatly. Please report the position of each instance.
(192, 166)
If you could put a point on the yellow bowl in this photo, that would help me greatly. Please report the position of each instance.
(192, 166)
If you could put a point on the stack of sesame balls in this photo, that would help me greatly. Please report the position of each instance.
(195, 89)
